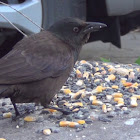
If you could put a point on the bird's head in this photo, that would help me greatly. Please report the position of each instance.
(74, 31)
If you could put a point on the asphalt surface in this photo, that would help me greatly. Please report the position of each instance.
(122, 127)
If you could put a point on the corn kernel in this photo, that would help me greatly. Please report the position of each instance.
(83, 61)
(97, 80)
(91, 98)
(135, 85)
(53, 110)
(137, 96)
(29, 119)
(47, 132)
(97, 73)
(81, 121)
(117, 99)
(99, 89)
(112, 77)
(75, 110)
(127, 84)
(104, 108)
(2, 139)
(67, 91)
(76, 95)
(97, 102)
(115, 87)
(117, 94)
(73, 124)
(7, 115)
(96, 69)
(64, 123)
(134, 98)
(78, 104)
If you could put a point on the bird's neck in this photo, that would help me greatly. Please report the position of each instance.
(76, 52)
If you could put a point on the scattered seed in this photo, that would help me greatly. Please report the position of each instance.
(47, 132)
(29, 119)
(7, 115)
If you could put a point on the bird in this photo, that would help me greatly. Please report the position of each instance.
(38, 66)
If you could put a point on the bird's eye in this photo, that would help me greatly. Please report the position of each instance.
(76, 29)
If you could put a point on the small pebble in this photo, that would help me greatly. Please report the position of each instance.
(103, 119)
(79, 83)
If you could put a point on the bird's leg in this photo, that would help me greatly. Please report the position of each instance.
(15, 107)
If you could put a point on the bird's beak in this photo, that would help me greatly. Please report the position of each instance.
(93, 26)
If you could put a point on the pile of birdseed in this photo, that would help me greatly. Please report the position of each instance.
(94, 91)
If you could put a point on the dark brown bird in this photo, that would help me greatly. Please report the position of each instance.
(38, 66)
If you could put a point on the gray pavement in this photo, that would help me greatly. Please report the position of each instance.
(128, 54)
(122, 127)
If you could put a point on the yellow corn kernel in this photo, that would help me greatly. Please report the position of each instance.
(67, 91)
(102, 68)
(123, 81)
(97, 73)
(120, 103)
(81, 121)
(137, 96)
(73, 124)
(47, 132)
(75, 110)
(117, 99)
(53, 110)
(110, 69)
(115, 87)
(97, 102)
(76, 95)
(133, 98)
(104, 108)
(96, 69)
(64, 123)
(97, 80)
(78, 104)
(2, 139)
(112, 77)
(99, 89)
(127, 84)
(7, 115)
(135, 85)
(29, 119)
(117, 94)
(83, 61)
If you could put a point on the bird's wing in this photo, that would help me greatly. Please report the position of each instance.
(33, 60)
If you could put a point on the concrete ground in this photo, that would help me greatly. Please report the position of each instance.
(122, 127)
(128, 54)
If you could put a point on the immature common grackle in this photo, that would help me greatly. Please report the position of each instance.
(38, 66)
